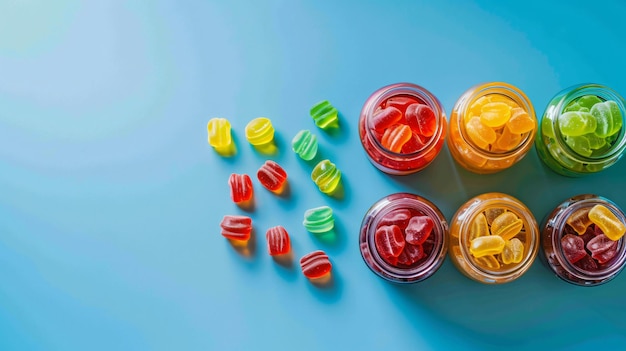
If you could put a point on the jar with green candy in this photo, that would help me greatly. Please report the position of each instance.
(582, 130)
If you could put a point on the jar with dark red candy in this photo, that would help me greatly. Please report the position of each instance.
(402, 128)
(582, 240)
(403, 238)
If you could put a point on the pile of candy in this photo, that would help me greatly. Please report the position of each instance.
(494, 238)
(590, 237)
(496, 123)
(326, 176)
(589, 125)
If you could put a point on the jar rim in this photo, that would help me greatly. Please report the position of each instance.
(581, 201)
(491, 88)
(409, 89)
(564, 98)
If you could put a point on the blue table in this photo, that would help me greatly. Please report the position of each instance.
(111, 197)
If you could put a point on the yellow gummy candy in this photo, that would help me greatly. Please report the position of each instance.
(513, 251)
(506, 225)
(502, 98)
(520, 122)
(488, 261)
(479, 133)
(479, 227)
(508, 141)
(579, 220)
(493, 213)
(260, 131)
(611, 226)
(495, 114)
(487, 245)
(219, 132)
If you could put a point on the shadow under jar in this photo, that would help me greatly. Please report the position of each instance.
(582, 240)
(492, 127)
(582, 130)
(403, 238)
(402, 128)
(494, 238)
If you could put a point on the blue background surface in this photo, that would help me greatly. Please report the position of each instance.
(111, 198)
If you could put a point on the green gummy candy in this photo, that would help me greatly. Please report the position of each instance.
(546, 127)
(595, 142)
(580, 145)
(325, 115)
(326, 176)
(319, 220)
(574, 106)
(576, 123)
(616, 114)
(604, 119)
(305, 145)
(588, 101)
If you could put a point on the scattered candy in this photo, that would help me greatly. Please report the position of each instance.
(236, 227)
(319, 219)
(305, 145)
(260, 131)
(277, 241)
(610, 225)
(219, 133)
(315, 264)
(326, 176)
(272, 176)
(325, 115)
(240, 187)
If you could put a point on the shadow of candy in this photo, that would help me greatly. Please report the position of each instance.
(285, 266)
(229, 154)
(334, 239)
(248, 206)
(327, 289)
(340, 131)
(246, 249)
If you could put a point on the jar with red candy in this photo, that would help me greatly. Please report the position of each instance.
(402, 128)
(403, 238)
(583, 240)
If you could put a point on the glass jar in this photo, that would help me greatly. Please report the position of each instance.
(500, 135)
(507, 228)
(567, 141)
(559, 249)
(413, 216)
(426, 126)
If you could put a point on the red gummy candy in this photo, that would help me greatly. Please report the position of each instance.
(414, 144)
(400, 102)
(421, 119)
(389, 241)
(399, 217)
(277, 241)
(240, 187)
(419, 229)
(385, 118)
(602, 248)
(272, 176)
(588, 235)
(236, 227)
(573, 247)
(597, 230)
(315, 264)
(411, 254)
(587, 263)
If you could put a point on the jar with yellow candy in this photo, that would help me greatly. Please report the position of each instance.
(494, 238)
(582, 130)
(492, 127)
(582, 240)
